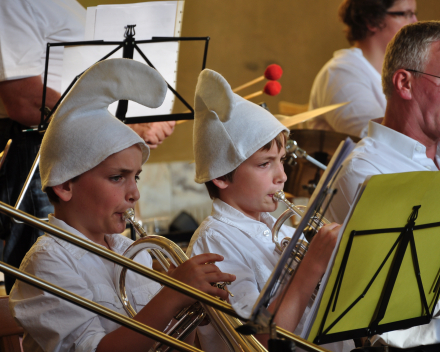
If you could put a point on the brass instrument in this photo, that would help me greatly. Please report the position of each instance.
(4, 153)
(190, 317)
(220, 306)
(301, 247)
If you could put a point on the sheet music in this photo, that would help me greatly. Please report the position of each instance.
(107, 22)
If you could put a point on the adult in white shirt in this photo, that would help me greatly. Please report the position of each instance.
(353, 75)
(407, 140)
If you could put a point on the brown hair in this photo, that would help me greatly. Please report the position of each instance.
(357, 15)
(279, 140)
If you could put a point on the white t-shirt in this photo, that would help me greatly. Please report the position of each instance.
(26, 26)
(53, 324)
(384, 151)
(249, 253)
(347, 77)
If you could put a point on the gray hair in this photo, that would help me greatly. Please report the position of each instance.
(409, 49)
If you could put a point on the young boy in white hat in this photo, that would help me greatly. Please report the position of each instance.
(90, 162)
(239, 152)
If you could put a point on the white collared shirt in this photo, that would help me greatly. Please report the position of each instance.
(249, 254)
(384, 151)
(53, 324)
(347, 77)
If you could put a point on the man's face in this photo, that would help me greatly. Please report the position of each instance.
(426, 93)
(255, 181)
(393, 23)
(102, 194)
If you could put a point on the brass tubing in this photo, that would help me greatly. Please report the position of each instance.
(119, 259)
(98, 309)
(300, 342)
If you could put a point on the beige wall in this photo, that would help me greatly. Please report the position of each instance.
(246, 36)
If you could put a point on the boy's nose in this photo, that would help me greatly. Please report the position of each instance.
(133, 194)
(281, 175)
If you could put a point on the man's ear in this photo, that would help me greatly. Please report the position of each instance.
(64, 190)
(221, 182)
(402, 81)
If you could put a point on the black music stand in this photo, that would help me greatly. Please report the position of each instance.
(128, 46)
(392, 284)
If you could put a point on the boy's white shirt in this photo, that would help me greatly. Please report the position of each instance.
(249, 253)
(53, 324)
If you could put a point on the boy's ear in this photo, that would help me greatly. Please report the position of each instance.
(221, 182)
(64, 191)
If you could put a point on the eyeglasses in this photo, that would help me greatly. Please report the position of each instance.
(423, 73)
(407, 14)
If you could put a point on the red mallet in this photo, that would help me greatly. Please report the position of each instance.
(270, 88)
(273, 72)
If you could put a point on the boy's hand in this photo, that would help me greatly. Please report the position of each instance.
(200, 272)
(321, 247)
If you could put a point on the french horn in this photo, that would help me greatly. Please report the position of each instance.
(190, 317)
(301, 247)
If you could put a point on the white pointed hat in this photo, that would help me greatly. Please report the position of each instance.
(227, 128)
(83, 133)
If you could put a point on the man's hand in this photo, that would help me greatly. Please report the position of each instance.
(154, 133)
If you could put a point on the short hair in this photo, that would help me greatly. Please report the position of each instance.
(53, 197)
(279, 140)
(409, 49)
(357, 15)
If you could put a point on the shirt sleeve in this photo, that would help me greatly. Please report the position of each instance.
(345, 85)
(245, 287)
(21, 46)
(54, 323)
(352, 175)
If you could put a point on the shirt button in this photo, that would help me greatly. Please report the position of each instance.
(266, 232)
(419, 148)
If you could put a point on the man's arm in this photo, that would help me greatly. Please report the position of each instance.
(22, 99)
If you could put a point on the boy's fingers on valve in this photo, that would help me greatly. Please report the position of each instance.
(207, 258)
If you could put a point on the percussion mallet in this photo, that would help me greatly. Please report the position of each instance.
(272, 73)
(270, 88)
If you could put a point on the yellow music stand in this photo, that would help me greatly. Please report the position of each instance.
(386, 272)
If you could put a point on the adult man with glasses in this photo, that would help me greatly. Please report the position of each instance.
(406, 140)
(353, 75)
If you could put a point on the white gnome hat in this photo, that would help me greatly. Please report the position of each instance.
(83, 132)
(227, 128)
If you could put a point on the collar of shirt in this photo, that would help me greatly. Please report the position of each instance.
(233, 217)
(403, 144)
(116, 242)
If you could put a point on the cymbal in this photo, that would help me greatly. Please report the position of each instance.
(290, 121)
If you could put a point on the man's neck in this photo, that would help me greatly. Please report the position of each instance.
(404, 117)
(372, 52)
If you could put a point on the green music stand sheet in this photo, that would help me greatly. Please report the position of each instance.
(386, 202)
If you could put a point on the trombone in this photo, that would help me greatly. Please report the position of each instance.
(138, 268)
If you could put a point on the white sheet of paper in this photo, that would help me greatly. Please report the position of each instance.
(107, 22)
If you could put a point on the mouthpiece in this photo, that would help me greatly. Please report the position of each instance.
(273, 72)
(128, 215)
(279, 196)
(272, 88)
